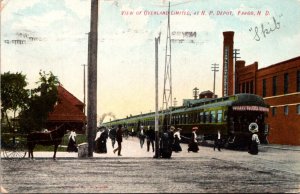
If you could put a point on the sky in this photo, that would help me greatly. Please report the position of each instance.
(51, 35)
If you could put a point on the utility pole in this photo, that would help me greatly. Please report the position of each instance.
(84, 102)
(92, 78)
(167, 95)
(157, 154)
(215, 68)
(235, 53)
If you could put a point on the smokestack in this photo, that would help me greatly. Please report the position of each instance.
(227, 78)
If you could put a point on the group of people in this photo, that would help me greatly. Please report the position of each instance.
(169, 140)
(102, 135)
(149, 135)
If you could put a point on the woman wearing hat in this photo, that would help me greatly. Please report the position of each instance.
(253, 148)
(193, 146)
(176, 145)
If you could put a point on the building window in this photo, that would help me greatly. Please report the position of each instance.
(251, 87)
(286, 110)
(298, 109)
(244, 87)
(264, 88)
(247, 87)
(274, 111)
(274, 85)
(298, 81)
(286, 83)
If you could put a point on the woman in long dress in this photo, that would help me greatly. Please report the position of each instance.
(193, 145)
(101, 137)
(253, 148)
(176, 145)
(72, 147)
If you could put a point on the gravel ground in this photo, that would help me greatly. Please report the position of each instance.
(208, 171)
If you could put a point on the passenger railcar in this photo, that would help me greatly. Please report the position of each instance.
(231, 115)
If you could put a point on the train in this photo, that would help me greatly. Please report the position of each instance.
(231, 115)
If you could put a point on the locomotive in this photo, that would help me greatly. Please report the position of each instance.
(231, 115)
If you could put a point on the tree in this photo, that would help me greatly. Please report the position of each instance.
(14, 96)
(42, 101)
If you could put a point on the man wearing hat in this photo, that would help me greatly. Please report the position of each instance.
(253, 148)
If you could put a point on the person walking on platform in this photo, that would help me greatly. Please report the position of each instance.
(218, 141)
(72, 142)
(253, 147)
(177, 138)
(142, 136)
(193, 146)
(166, 143)
(112, 136)
(119, 140)
(101, 137)
(150, 136)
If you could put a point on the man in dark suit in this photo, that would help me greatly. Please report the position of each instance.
(119, 140)
(150, 136)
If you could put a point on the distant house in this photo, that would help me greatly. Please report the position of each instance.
(207, 94)
(68, 111)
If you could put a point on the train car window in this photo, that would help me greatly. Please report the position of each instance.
(219, 116)
(186, 118)
(298, 109)
(225, 115)
(202, 116)
(213, 116)
(207, 117)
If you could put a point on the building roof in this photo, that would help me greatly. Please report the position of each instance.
(67, 109)
(281, 63)
(68, 96)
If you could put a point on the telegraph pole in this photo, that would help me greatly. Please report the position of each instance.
(157, 40)
(215, 68)
(235, 53)
(84, 102)
(92, 78)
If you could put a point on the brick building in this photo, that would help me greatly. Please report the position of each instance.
(68, 110)
(278, 84)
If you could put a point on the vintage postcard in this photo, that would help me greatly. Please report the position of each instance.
(207, 73)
